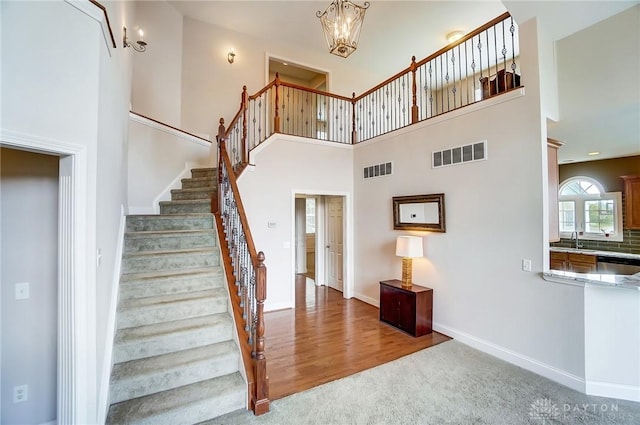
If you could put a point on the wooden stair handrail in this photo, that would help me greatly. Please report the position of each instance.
(253, 357)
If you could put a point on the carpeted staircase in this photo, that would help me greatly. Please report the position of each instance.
(175, 360)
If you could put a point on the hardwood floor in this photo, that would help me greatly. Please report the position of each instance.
(327, 337)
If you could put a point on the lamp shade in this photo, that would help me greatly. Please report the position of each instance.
(409, 246)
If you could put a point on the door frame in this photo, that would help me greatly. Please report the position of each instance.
(347, 234)
(76, 363)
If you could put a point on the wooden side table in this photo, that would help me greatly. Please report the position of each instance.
(408, 309)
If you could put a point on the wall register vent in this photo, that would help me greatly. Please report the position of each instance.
(460, 155)
(378, 170)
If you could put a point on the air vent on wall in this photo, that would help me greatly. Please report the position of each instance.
(378, 170)
(460, 155)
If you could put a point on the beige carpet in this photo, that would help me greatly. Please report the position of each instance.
(450, 383)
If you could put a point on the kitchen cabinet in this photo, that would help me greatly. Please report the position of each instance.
(632, 201)
(408, 309)
(553, 182)
(572, 262)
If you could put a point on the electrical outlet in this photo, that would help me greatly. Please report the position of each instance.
(22, 291)
(526, 265)
(20, 393)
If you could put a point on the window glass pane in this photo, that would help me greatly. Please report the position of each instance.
(598, 216)
(579, 187)
(311, 215)
(567, 217)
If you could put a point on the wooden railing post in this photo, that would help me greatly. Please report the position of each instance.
(414, 101)
(261, 403)
(215, 205)
(244, 106)
(276, 117)
(354, 134)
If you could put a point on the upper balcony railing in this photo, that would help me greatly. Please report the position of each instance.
(482, 64)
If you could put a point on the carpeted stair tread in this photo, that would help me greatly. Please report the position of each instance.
(185, 206)
(170, 298)
(167, 233)
(146, 241)
(184, 405)
(171, 251)
(207, 193)
(184, 202)
(195, 189)
(201, 182)
(160, 338)
(142, 277)
(159, 222)
(139, 285)
(164, 308)
(206, 169)
(136, 262)
(137, 378)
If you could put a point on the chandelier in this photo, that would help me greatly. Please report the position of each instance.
(341, 23)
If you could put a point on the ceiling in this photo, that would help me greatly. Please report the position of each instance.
(398, 28)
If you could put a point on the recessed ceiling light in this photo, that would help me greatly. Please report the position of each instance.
(567, 160)
(594, 153)
(454, 36)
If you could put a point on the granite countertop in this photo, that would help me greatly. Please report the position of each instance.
(611, 280)
(596, 252)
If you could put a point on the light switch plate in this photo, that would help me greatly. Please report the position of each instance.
(526, 265)
(22, 291)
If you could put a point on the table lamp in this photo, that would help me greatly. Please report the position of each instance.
(408, 247)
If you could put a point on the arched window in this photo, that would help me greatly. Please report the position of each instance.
(586, 208)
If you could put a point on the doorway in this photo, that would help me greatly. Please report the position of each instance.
(320, 239)
(305, 217)
(298, 74)
(74, 283)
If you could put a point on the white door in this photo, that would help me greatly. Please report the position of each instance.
(334, 242)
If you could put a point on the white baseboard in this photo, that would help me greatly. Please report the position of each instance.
(107, 361)
(607, 389)
(277, 306)
(50, 423)
(525, 362)
(367, 300)
(165, 195)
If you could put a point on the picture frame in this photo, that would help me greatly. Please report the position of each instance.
(419, 212)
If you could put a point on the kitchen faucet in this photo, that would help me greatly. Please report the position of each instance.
(578, 245)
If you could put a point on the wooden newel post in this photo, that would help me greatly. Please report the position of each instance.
(244, 106)
(261, 401)
(414, 105)
(276, 117)
(354, 135)
(215, 205)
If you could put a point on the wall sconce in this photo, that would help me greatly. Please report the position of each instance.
(231, 56)
(408, 247)
(140, 45)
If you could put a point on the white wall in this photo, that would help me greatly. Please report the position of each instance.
(29, 222)
(111, 183)
(158, 159)
(157, 73)
(285, 166)
(76, 94)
